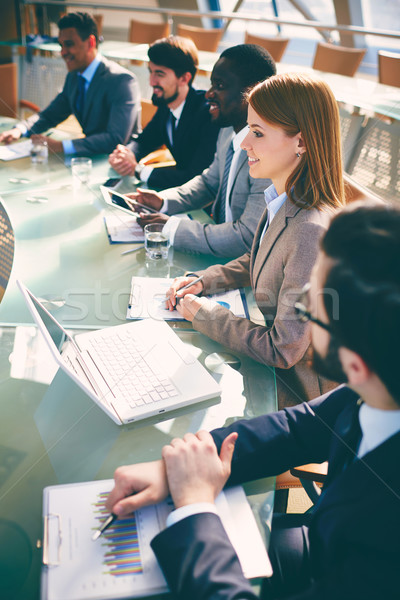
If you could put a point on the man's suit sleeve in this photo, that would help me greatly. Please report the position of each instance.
(151, 138)
(124, 110)
(226, 239)
(57, 111)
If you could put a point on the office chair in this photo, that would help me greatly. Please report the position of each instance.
(204, 39)
(9, 105)
(337, 59)
(276, 46)
(309, 477)
(389, 68)
(141, 32)
(6, 250)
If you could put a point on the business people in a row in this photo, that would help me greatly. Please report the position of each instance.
(348, 547)
(103, 96)
(294, 139)
(236, 198)
(182, 121)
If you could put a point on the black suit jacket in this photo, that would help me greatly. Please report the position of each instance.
(355, 527)
(194, 141)
(111, 109)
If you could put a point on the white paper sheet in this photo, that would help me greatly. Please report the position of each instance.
(123, 230)
(14, 151)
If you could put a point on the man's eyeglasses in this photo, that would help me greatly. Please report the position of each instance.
(301, 310)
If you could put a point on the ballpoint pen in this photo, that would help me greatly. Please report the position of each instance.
(131, 250)
(109, 521)
(188, 285)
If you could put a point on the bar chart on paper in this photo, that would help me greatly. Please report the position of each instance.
(119, 564)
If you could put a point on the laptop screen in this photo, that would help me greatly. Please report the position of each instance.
(56, 332)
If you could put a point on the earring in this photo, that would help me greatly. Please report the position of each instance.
(298, 154)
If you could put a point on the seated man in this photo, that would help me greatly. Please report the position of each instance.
(182, 121)
(103, 96)
(237, 199)
(348, 547)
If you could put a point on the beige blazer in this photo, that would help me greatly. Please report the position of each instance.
(276, 269)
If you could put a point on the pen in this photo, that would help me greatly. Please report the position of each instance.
(131, 250)
(109, 521)
(188, 285)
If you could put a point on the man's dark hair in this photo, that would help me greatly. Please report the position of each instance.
(82, 22)
(176, 53)
(364, 241)
(252, 63)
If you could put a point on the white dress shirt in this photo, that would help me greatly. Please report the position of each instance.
(274, 203)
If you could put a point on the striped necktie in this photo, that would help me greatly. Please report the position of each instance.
(220, 212)
(80, 97)
(171, 128)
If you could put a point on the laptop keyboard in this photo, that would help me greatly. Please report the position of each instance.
(122, 362)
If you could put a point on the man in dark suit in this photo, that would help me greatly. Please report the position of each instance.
(182, 121)
(237, 200)
(348, 547)
(103, 96)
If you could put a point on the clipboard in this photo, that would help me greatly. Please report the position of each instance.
(147, 300)
(121, 563)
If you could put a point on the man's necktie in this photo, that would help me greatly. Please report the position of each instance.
(171, 128)
(220, 212)
(80, 97)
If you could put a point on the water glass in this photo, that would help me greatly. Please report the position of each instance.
(155, 241)
(81, 168)
(39, 153)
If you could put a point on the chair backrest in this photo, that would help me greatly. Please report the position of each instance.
(141, 32)
(205, 39)
(148, 111)
(6, 250)
(98, 19)
(389, 68)
(8, 90)
(337, 59)
(275, 46)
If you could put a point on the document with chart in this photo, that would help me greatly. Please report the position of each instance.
(147, 300)
(121, 563)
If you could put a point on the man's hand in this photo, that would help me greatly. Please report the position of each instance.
(53, 145)
(190, 305)
(136, 486)
(147, 198)
(195, 472)
(10, 136)
(123, 161)
(146, 218)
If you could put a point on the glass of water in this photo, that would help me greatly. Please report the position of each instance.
(81, 168)
(39, 153)
(156, 242)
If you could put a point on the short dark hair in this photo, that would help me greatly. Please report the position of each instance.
(82, 22)
(176, 53)
(364, 241)
(252, 63)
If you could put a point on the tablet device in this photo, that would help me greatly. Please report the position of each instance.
(114, 198)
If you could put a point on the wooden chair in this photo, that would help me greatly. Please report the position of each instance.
(6, 250)
(310, 477)
(276, 46)
(99, 19)
(337, 59)
(148, 111)
(9, 105)
(141, 32)
(389, 68)
(205, 39)
(354, 191)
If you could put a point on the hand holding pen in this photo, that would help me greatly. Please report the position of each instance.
(181, 287)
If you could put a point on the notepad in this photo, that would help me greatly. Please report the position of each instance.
(14, 151)
(121, 563)
(123, 230)
(147, 300)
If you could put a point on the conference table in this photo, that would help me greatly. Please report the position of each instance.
(51, 432)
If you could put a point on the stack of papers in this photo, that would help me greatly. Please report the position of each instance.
(147, 300)
(14, 151)
(123, 230)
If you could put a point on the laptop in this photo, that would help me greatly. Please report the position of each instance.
(131, 371)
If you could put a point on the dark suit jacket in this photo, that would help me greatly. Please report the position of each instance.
(111, 109)
(194, 142)
(355, 527)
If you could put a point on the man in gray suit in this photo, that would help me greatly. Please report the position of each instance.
(237, 199)
(103, 96)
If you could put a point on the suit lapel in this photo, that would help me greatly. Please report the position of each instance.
(262, 251)
(185, 116)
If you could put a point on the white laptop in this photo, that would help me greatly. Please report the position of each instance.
(131, 371)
